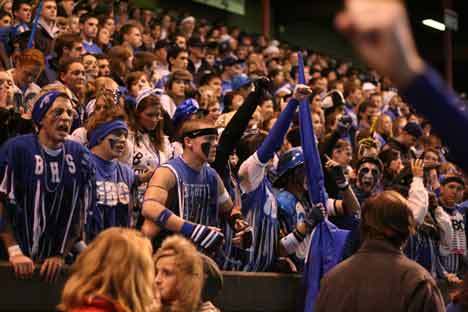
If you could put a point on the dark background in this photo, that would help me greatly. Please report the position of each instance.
(309, 23)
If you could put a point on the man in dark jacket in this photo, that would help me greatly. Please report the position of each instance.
(390, 281)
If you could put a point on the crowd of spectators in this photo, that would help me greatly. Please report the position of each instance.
(116, 116)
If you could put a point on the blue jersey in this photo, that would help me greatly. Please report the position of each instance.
(115, 186)
(261, 209)
(197, 201)
(197, 193)
(46, 194)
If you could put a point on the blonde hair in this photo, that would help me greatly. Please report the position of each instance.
(190, 274)
(118, 266)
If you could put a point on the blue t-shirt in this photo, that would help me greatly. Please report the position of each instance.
(115, 186)
(92, 48)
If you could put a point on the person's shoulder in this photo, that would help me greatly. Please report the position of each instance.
(412, 272)
(126, 169)
(25, 141)
(74, 146)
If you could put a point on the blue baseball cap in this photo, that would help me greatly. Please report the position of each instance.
(240, 81)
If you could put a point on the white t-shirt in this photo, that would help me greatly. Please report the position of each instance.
(141, 155)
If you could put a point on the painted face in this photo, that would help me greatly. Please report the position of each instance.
(368, 177)
(58, 119)
(115, 143)
(205, 147)
(166, 279)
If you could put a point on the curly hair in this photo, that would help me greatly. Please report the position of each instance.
(189, 272)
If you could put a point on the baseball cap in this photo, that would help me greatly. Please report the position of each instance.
(413, 129)
(240, 81)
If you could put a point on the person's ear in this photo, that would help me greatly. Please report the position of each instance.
(187, 142)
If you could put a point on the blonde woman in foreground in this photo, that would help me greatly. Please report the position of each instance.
(180, 277)
(115, 273)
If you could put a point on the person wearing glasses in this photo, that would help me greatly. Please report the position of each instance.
(46, 186)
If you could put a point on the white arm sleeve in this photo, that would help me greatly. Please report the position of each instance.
(251, 173)
(418, 199)
(445, 224)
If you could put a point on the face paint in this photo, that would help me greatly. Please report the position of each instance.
(206, 147)
(367, 178)
(117, 141)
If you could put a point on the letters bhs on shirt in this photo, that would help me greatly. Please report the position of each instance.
(54, 167)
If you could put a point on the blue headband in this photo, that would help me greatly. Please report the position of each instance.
(43, 104)
(104, 130)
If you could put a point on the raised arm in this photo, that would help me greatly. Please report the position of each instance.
(237, 126)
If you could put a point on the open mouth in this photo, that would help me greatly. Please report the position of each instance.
(63, 128)
(119, 149)
(368, 183)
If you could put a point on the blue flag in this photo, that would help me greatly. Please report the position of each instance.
(327, 240)
(34, 25)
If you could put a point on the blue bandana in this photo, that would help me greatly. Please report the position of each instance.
(43, 104)
(104, 130)
(184, 111)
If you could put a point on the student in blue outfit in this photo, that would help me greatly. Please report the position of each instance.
(115, 181)
(296, 212)
(46, 186)
(259, 204)
(187, 196)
